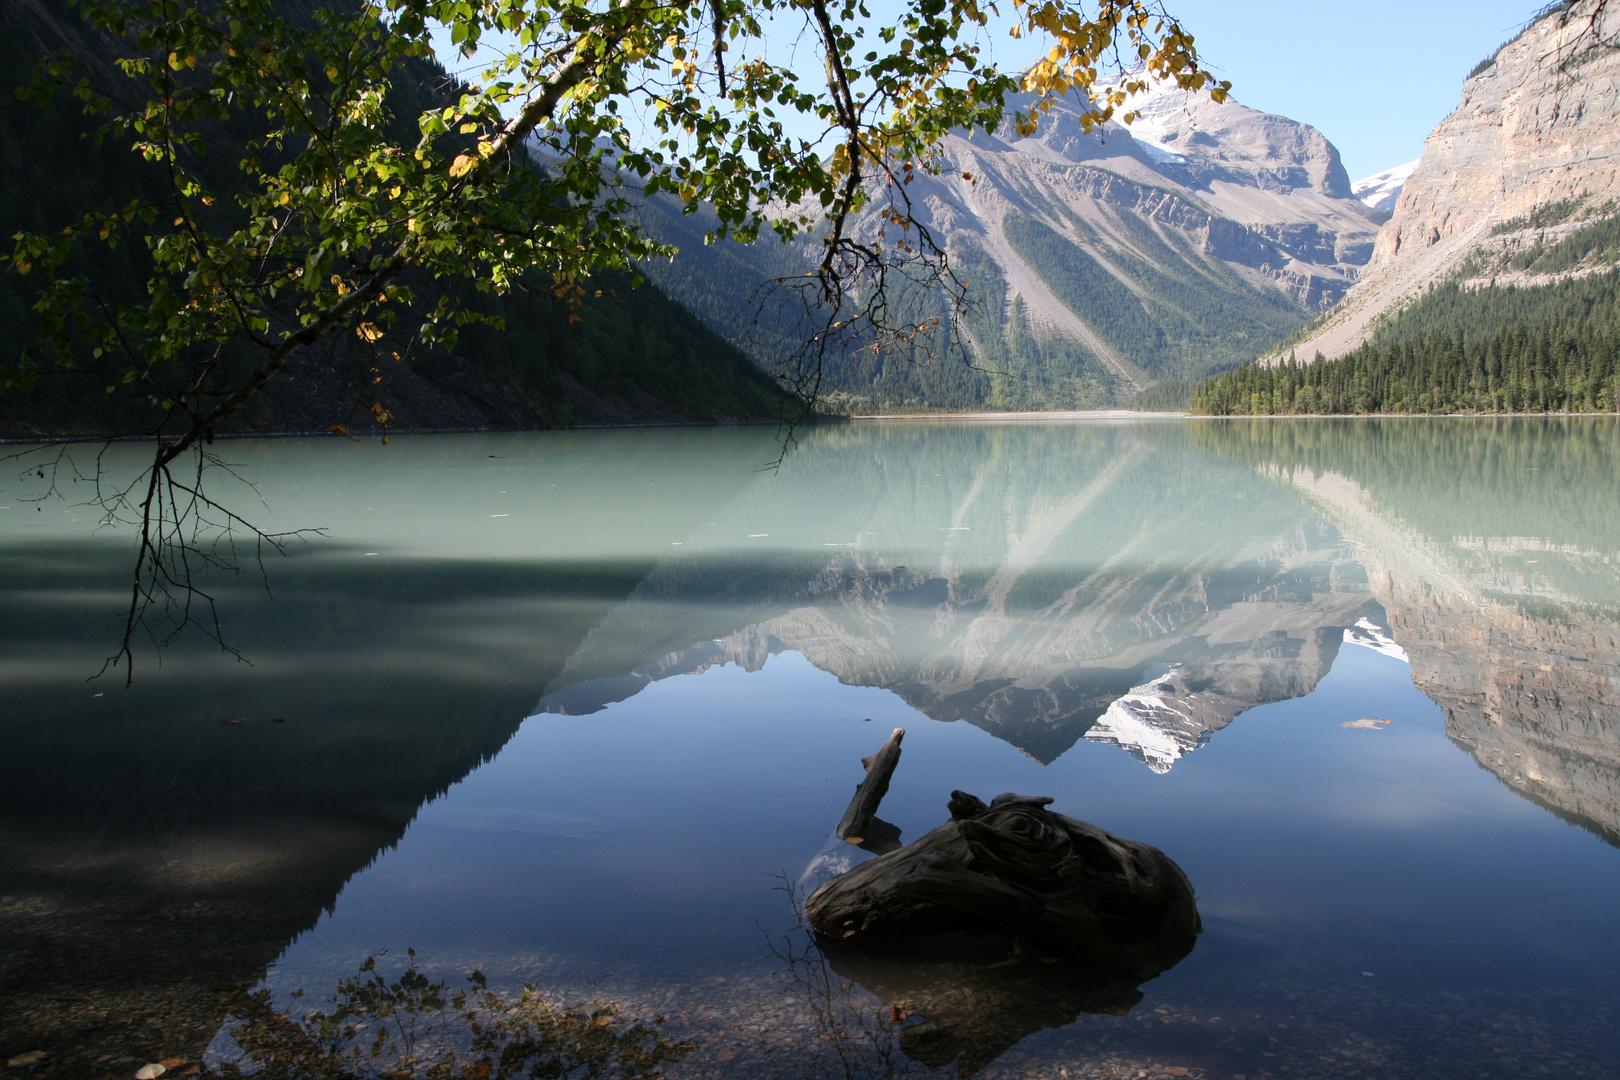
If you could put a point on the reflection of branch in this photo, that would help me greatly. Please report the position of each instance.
(185, 534)
(856, 1035)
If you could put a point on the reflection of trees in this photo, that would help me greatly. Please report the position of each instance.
(415, 1027)
(1490, 544)
(1513, 477)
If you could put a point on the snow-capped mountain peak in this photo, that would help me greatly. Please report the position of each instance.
(1380, 190)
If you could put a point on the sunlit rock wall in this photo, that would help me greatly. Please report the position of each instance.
(1539, 125)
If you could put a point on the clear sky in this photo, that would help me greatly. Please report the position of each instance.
(1373, 75)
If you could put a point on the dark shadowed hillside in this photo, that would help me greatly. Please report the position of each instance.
(631, 356)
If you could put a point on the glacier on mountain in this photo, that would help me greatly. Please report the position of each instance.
(1380, 190)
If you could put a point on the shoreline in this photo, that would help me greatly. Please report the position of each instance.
(1128, 414)
(1064, 414)
(1060, 416)
(377, 433)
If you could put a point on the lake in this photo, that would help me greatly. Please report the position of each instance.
(581, 709)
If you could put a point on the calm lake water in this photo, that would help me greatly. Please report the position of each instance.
(581, 709)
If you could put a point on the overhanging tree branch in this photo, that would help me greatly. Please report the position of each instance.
(342, 206)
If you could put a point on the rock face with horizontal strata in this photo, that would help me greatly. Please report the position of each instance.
(1538, 126)
(1261, 192)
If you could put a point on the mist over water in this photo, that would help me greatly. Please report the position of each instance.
(569, 708)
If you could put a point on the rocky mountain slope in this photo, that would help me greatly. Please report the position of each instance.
(1103, 261)
(1530, 157)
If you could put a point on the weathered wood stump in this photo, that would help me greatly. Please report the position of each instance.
(1055, 886)
(869, 792)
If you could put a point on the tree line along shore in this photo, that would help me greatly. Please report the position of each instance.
(1548, 349)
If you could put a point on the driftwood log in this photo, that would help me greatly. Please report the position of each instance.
(869, 793)
(1056, 887)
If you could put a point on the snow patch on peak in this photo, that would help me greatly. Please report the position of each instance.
(1380, 190)
(1369, 635)
(1157, 152)
(1151, 725)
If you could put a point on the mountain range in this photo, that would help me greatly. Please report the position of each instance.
(1101, 261)
(1205, 235)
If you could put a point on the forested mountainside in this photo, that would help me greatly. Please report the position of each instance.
(1099, 263)
(623, 356)
(1552, 348)
(1495, 286)
(1529, 159)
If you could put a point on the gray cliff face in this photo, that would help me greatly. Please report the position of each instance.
(1099, 261)
(1263, 194)
(1539, 126)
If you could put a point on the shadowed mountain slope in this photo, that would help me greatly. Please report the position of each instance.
(632, 355)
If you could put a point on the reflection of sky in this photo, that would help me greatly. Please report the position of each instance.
(647, 834)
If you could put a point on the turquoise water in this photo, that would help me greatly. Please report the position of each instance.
(581, 709)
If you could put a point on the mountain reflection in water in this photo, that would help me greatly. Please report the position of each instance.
(1067, 589)
(1045, 614)
(1494, 548)
(1038, 612)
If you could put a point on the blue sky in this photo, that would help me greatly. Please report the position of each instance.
(1374, 76)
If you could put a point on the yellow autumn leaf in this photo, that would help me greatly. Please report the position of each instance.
(368, 332)
(462, 165)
